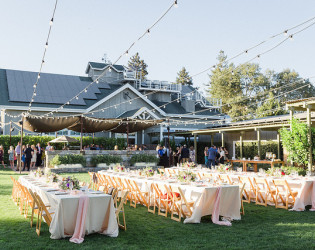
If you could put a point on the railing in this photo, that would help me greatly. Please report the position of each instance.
(206, 102)
(158, 85)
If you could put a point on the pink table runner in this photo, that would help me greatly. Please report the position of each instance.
(216, 210)
(79, 232)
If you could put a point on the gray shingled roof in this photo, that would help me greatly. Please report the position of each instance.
(16, 89)
(128, 113)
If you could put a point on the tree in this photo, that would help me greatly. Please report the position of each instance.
(138, 65)
(295, 141)
(183, 77)
(270, 107)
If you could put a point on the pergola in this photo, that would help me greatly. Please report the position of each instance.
(263, 124)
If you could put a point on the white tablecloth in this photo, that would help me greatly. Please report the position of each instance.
(305, 186)
(100, 214)
(203, 196)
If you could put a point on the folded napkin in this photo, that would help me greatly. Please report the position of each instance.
(216, 210)
(79, 231)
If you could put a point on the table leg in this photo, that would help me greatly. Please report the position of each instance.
(255, 167)
(244, 166)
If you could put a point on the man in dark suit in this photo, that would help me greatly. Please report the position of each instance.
(28, 156)
(212, 154)
(39, 155)
(185, 154)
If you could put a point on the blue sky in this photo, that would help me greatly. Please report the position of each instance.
(190, 35)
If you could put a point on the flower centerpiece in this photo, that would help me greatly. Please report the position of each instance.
(224, 167)
(148, 172)
(64, 184)
(39, 172)
(186, 176)
(119, 168)
(189, 165)
(53, 177)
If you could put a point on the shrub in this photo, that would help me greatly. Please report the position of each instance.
(108, 159)
(143, 158)
(68, 159)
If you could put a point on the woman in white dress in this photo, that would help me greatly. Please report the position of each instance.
(34, 156)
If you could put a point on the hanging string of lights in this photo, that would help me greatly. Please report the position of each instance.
(246, 51)
(174, 4)
(43, 58)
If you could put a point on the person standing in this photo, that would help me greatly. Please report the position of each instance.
(185, 154)
(18, 159)
(206, 156)
(34, 156)
(2, 155)
(38, 155)
(28, 157)
(11, 157)
(212, 154)
(192, 154)
(222, 155)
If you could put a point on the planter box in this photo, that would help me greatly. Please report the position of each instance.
(69, 166)
(104, 165)
(145, 164)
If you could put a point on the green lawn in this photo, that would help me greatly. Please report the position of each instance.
(260, 228)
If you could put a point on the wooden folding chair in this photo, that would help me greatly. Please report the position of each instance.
(176, 205)
(42, 212)
(186, 205)
(141, 195)
(242, 187)
(224, 178)
(263, 192)
(284, 192)
(152, 199)
(161, 171)
(163, 200)
(28, 200)
(249, 190)
(120, 209)
(15, 190)
(35, 206)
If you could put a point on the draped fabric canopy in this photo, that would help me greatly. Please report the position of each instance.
(87, 124)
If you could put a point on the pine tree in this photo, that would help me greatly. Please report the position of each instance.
(183, 77)
(270, 107)
(138, 65)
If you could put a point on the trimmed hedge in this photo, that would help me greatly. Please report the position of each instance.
(143, 158)
(107, 159)
(108, 143)
(250, 149)
(68, 159)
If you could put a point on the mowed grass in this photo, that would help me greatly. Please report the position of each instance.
(260, 227)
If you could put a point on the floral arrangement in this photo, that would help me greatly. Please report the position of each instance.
(188, 165)
(186, 176)
(119, 168)
(224, 167)
(285, 170)
(148, 172)
(39, 172)
(52, 177)
(64, 184)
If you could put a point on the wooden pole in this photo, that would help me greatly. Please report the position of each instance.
(93, 137)
(241, 145)
(211, 140)
(310, 152)
(81, 141)
(169, 145)
(278, 144)
(222, 139)
(291, 116)
(127, 135)
(258, 143)
(195, 147)
(10, 131)
(21, 145)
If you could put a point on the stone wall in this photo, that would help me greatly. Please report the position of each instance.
(88, 154)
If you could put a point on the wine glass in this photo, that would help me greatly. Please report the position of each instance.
(71, 186)
(308, 173)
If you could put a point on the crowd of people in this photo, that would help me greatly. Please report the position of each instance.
(215, 156)
(25, 156)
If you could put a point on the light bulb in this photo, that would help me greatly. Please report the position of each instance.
(85, 90)
(96, 81)
(38, 76)
(246, 51)
(285, 32)
(148, 31)
(46, 45)
(291, 37)
(51, 21)
(126, 53)
(110, 69)
(77, 97)
(175, 4)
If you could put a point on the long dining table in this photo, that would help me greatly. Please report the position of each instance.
(100, 216)
(203, 195)
(305, 186)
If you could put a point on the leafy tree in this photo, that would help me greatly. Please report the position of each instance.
(295, 141)
(136, 64)
(270, 107)
(183, 77)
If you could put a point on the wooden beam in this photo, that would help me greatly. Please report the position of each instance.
(222, 139)
(310, 152)
(258, 143)
(278, 144)
(195, 147)
(241, 145)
